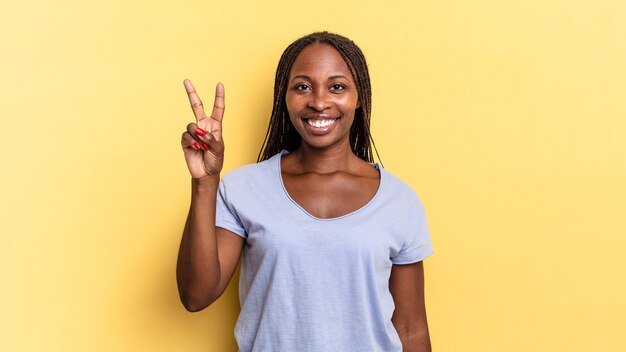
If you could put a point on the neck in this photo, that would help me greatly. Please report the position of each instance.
(339, 158)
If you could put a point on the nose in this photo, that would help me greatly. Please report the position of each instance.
(319, 101)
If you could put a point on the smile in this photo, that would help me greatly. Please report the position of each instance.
(320, 123)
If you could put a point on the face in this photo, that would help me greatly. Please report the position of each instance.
(322, 97)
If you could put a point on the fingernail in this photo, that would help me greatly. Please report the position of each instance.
(200, 132)
(196, 145)
(205, 147)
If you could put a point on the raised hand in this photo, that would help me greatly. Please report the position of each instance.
(202, 142)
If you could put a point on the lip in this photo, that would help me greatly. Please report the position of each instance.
(320, 130)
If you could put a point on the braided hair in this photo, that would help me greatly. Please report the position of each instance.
(282, 135)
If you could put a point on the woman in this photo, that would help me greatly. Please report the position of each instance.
(332, 244)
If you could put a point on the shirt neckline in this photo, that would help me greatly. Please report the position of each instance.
(366, 205)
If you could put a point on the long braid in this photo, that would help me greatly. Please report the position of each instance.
(282, 135)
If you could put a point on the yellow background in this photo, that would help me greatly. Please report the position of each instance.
(507, 117)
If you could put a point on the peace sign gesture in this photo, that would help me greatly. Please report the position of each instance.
(202, 142)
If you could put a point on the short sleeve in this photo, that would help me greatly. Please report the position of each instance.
(226, 215)
(417, 245)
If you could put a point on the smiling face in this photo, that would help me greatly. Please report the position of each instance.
(321, 97)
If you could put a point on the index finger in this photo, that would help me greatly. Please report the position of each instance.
(194, 100)
(218, 105)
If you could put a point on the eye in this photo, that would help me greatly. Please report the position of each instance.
(337, 87)
(301, 87)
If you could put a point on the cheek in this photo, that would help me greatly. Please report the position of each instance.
(350, 105)
(291, 104)
(292, 111)
(350, 101)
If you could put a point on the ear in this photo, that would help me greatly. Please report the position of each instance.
(358, 103)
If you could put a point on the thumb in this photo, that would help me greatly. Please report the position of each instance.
(215, 145)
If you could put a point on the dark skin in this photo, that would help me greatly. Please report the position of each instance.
(323, 176)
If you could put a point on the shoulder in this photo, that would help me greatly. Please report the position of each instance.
(245, 188)
(399, 192)
(396, 185)
(250, 172)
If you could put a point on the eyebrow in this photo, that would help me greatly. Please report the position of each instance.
(309, 78)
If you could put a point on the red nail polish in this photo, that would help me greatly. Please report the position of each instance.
(205, 147)
(196, 145)
(200, 132)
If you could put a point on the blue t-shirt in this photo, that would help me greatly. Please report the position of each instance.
(311, 284)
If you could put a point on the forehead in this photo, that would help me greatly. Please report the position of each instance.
(320, 59)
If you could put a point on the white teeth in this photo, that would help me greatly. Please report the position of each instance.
(320, 123)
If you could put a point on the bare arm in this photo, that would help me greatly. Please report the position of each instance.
(207, 256)
(409, 318)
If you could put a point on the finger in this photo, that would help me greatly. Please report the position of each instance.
(194, 100)
(199, 135)
(189, 142)
(218, 105)
(213, 144)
